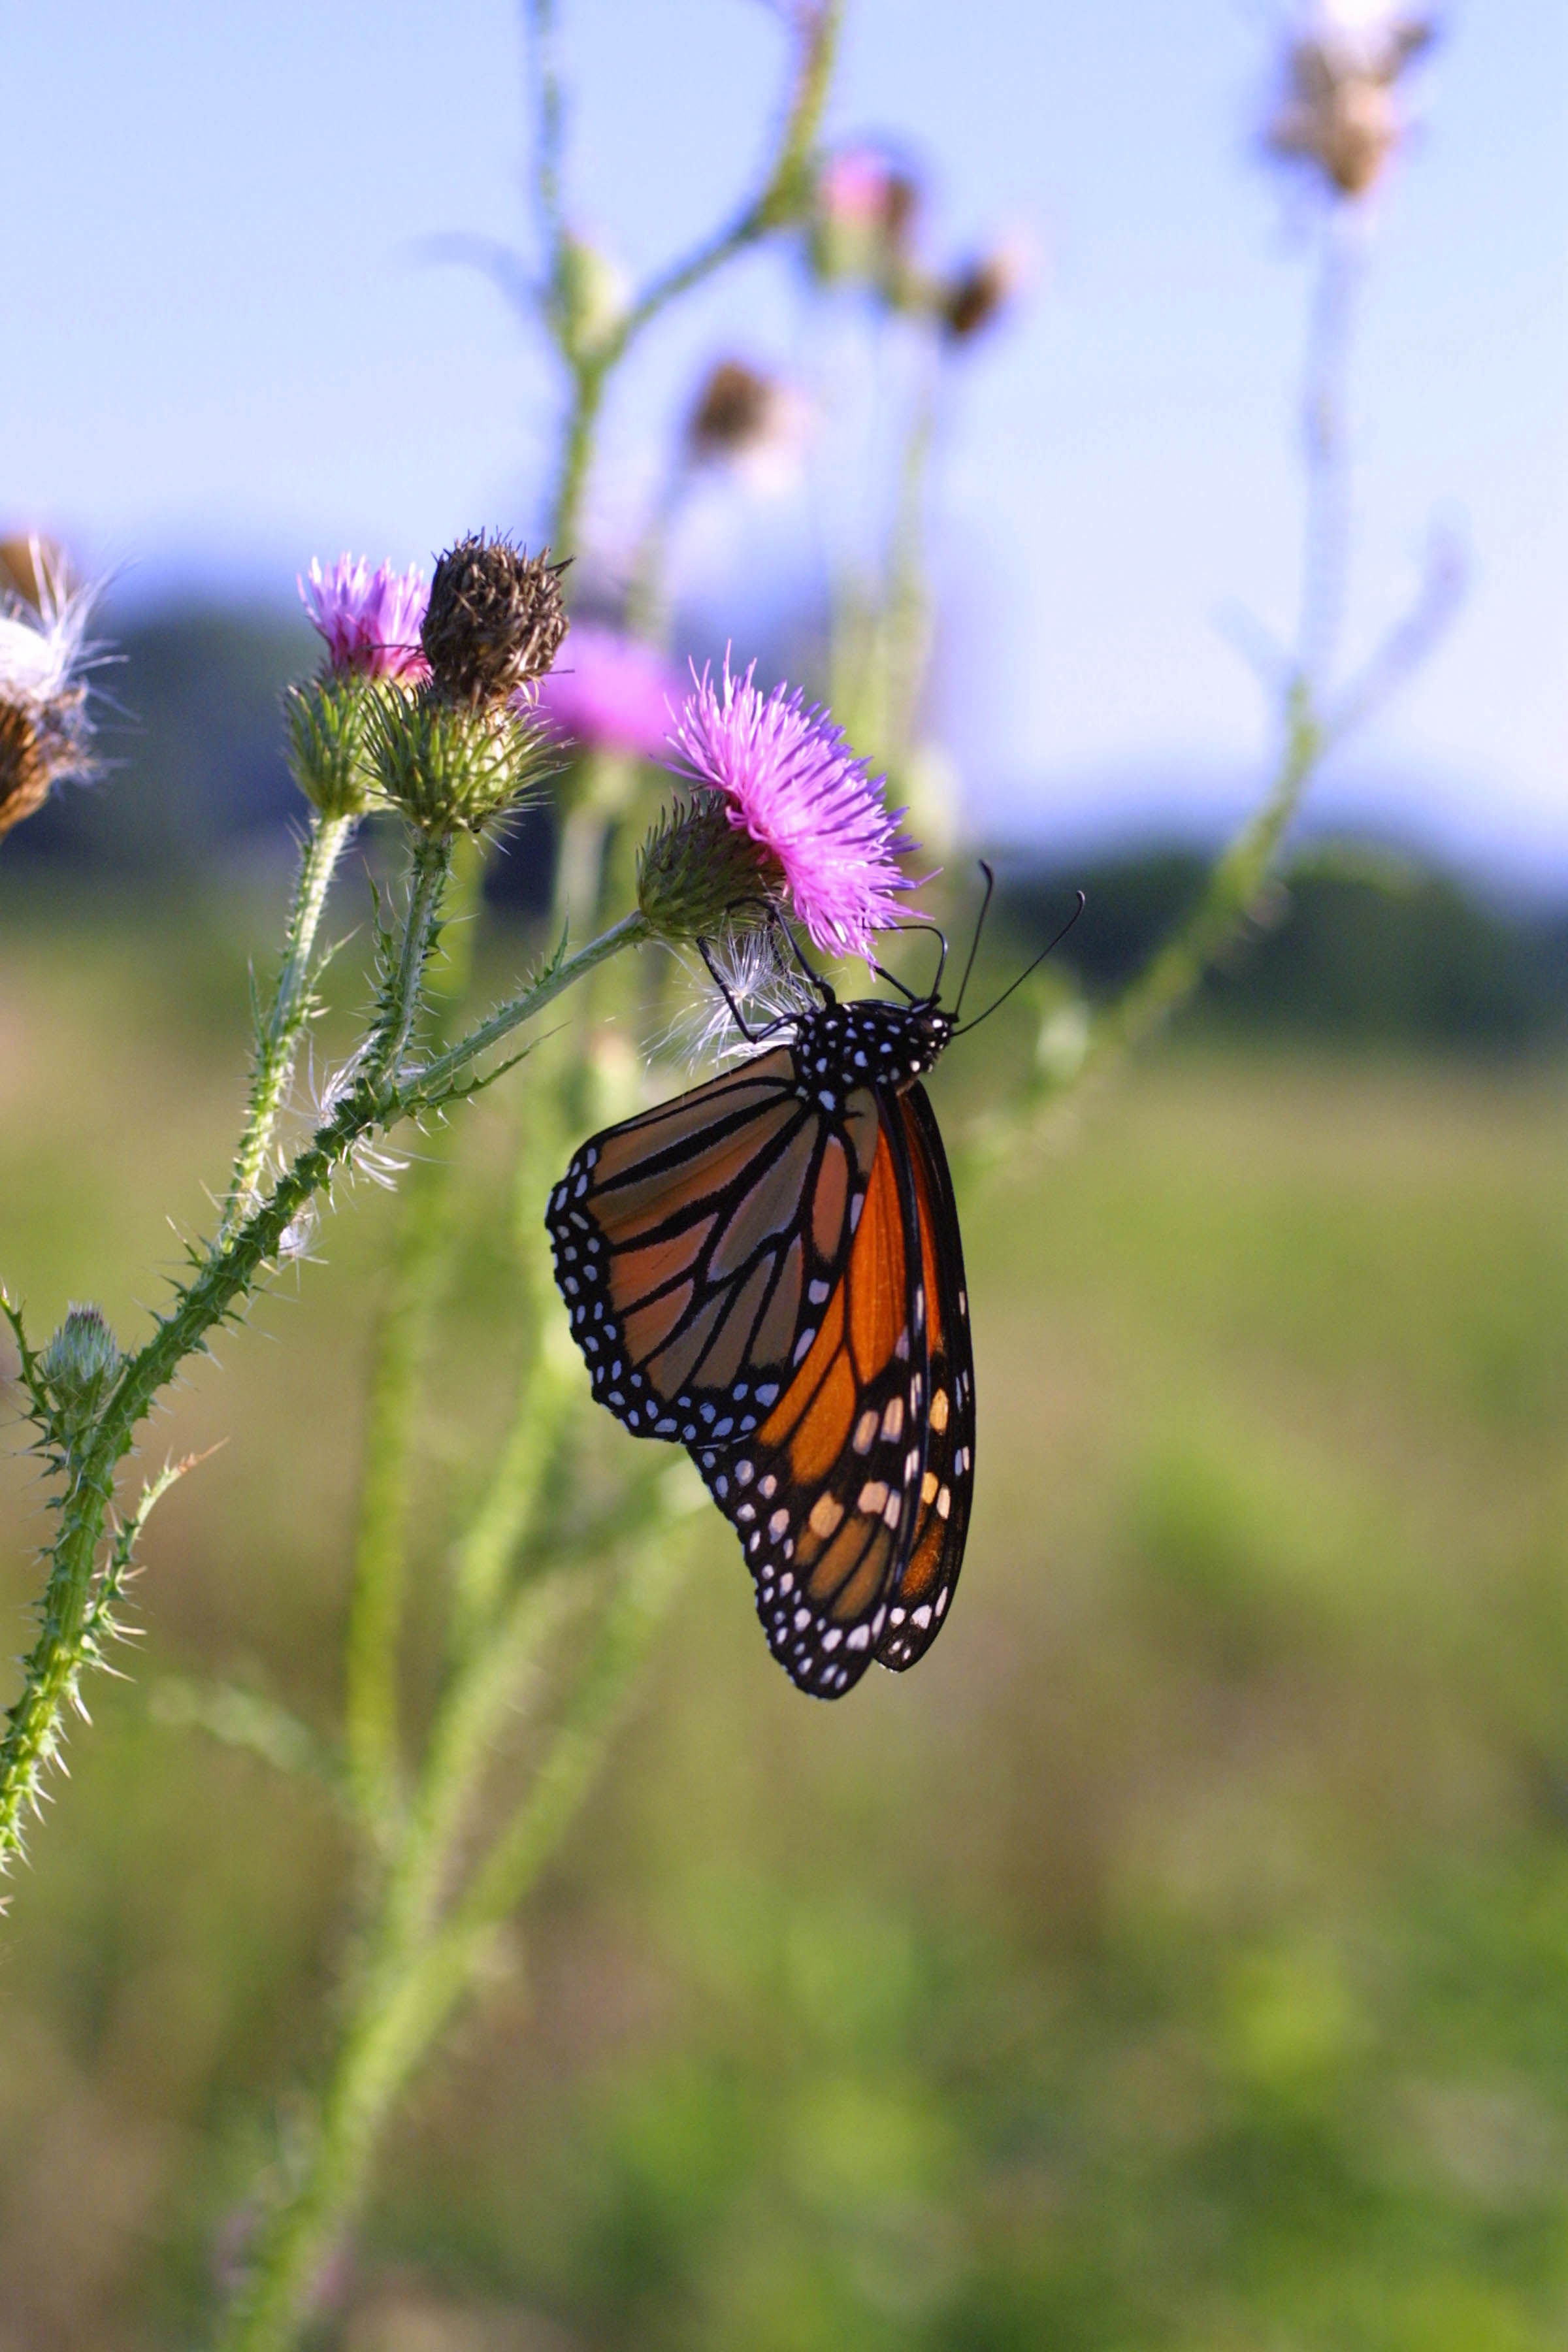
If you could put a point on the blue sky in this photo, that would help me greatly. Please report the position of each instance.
(227, 352)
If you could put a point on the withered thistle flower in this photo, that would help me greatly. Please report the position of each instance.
(468, 744)
(45, 730)
(455, 755)
(977, 294)
(1341, 113)
(742, 417)
(495, 621)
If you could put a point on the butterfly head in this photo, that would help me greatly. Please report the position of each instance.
(872, 1043)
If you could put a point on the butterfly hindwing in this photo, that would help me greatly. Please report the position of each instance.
(826, 1495)
(697, 1245)
(919, 1600)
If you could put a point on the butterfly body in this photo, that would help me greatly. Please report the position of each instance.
(767, 1270)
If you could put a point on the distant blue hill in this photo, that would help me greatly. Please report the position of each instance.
(1363, 944)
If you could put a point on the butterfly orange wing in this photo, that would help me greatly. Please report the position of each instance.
(919, 1601)
(825, 1497)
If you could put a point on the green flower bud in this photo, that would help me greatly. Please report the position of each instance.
(328, 749)
(453, 768)
(696, 871)
(590, 293)
(80, 1361)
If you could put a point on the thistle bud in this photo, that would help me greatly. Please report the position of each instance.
(591, 293)
(495, 621)
(327, 750)
(79, 1363)
(451, 768)
(864, 219)
(698, 871)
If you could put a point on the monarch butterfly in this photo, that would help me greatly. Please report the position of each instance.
(768, 1270)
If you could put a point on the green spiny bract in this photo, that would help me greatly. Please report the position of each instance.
(329, 751)
(452, 767)
(696, 871)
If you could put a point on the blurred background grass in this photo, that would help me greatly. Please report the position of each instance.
(1178, 1960)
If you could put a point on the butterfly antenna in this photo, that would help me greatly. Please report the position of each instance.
(881, 972)
(975, 942)
(935, 990)
(1028, 968)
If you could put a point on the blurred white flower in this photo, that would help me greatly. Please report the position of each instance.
(45, 730)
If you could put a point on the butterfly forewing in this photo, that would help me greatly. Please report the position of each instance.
(918, 1601)
(826, 1495)
(698, 1246)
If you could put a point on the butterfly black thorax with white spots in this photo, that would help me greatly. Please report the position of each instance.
(869, 1044)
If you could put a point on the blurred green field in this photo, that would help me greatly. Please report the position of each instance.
(1178, 1959)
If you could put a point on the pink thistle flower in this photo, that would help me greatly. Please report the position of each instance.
(371, 620)
(863, 218)
(795, 787)
(854, 187)
(612, 693)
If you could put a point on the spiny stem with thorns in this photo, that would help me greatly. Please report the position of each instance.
(279, 1034)
(230, 1274)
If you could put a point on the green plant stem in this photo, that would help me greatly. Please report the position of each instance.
(231, 1272)
(1175, 971)
(1326, 534)
(279, 1037)
(397, 1014)
(446, 1070)
(481, 1696)
(414, 1278)
(589, 375)
(782, 199)
(563, 1779)
(549, 1386)
(548, 141)
(375, 1608)
(546, 1405)
(411, 1987)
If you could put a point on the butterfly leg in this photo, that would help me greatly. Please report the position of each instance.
(776, 922)
(751, 1036)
